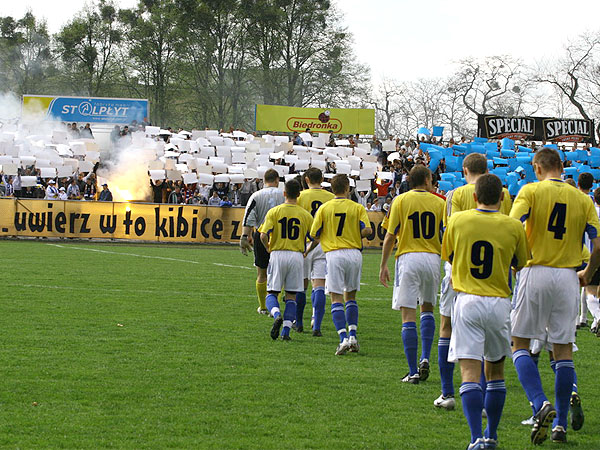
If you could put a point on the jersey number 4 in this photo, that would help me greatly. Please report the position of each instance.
(290, 228)
(556, 224)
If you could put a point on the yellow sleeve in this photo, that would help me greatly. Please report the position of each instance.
(317, 224)
(309, 221)
(521, 208)
(364, 218)
(394, 217)
(522, 250)
(506, 204)
(592, 227)
(455, 202)
(447, 241)
(268, 224)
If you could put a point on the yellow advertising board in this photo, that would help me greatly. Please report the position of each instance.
(133, 221)
(319, 120)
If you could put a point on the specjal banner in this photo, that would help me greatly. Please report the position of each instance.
(134, 221)
(319, 120)
(536, 128)
(85, 109)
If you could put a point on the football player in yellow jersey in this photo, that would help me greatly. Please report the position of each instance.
(481, 275)
(339, 225)
(284, 234)
(415, 220)
(315, 265)
(556, 217)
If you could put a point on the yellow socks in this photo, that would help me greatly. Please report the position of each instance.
(261, 293)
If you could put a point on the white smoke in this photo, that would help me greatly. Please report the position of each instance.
(10, 109)
(125, 170)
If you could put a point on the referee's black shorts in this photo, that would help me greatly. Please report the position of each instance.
(595, 279)
(261, 256)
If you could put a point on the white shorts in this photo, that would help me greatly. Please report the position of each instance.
(448, 294)
(537, 345)
(547, 303)
(344, 268)
(315, 264)
(480, 328)
(284, 270)
(416, 280)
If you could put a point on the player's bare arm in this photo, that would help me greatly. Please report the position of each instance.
(388, 247)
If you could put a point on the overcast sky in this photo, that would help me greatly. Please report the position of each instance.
(409, 39)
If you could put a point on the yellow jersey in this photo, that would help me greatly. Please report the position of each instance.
(416, 219)
(338, 224)
(462, 200)
(556, 216)
(482, 245)
(287, 226)
(311, 199)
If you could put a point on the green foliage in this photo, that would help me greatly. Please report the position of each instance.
(193, 366)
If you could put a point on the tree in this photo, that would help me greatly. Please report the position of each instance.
(25, 55)
(152, 39)
(87, 46)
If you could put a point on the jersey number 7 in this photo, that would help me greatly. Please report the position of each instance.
(340, 228)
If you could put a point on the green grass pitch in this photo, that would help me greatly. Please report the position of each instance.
(160, 346)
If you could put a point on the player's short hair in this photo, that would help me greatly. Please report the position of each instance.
(597, 196)
(339, 184)
(292, 189)
(314, 175)
(271, 176)
(418, 176)
(476, 163)
(548, 159)
(571, 182)
(488, 189)
(585, 181)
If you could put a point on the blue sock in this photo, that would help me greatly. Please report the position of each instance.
(410, 342)
(319, 306)
(563, 386)
(352, 316)
(289, 314)
(446, 368)
(339, 319)
(273, 305)
(482, 381)
(529, 378)
(575, 382)
(300, 304)
(494, 404)
(553, 366)
(427, 331)
(472, 403)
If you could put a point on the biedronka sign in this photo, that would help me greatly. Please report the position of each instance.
(318, 120)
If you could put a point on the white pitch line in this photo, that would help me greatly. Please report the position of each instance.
(164, 258)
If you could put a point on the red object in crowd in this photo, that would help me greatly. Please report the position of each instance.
(439, 195)
(383, 188)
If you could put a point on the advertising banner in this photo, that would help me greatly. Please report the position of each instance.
(85, 109)
(318, 120)
(134, 221)
(536, 128)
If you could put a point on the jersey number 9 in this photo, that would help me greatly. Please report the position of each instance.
(482, 256)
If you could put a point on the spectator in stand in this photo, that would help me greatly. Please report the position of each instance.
(222, 189)
(16, 184)
(73, 192)
(86, 132)
(203, 193)
(62, 194)
(115, 134)
(374, 207)
(188, 193)
(105, 195)
(248, 188)
(51, 191)
(214, 200)
(235, 195)
(362, 198)
(297, 140)
(158, 189)
(89, 190)
(74, 131)
(176, 197)
(382, 191)
(225, 203)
